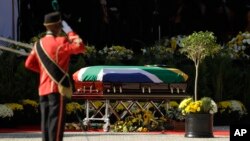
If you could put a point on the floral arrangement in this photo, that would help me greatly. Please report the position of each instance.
(18, 114)
(29, 102)
(5, 111)
(14, 106)
(240, 46)
(204, 105)
(90, 51)
(72, 107)
(163, 50)
(175, 41)
(159, 52)
(140, 121)
(116, 53)
(30, 106)
(230, 106)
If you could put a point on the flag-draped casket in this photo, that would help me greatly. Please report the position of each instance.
(129, 80)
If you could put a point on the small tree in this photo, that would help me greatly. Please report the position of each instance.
(197, 47)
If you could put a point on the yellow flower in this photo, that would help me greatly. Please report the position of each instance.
(232, 105)
(224, 104)
(15, 106)
(140, 120)
(30, 102)
(173, 43)
(205, 105)
(98, 103)
(120, 106)
(147, 117)
(73, 107)
(239, 39)
(185, 103)
(173, 104)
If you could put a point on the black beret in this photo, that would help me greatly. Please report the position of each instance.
(52, 18)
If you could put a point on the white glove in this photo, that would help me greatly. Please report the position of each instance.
(65, 27)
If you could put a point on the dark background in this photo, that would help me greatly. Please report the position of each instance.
(136, 22)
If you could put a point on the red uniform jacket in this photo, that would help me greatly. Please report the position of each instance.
(59, 49)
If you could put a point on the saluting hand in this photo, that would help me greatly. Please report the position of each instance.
(65, 27)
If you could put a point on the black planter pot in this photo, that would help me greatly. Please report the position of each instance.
(199, 126)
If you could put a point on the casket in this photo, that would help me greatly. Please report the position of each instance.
(129, 80)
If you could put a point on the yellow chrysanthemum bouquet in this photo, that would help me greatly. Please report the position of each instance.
(204, 105)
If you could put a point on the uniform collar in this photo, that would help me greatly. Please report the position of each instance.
(49, 33)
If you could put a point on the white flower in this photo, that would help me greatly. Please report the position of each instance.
(143, 51)
(179, 39)
(236, 49)
(248, 41)
(243, 47)
(5, 111)
(214, 107)
(244, 41)
(238, 106)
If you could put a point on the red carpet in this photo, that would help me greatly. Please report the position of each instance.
(35, 128)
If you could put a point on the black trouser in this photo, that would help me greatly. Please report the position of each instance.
(52, 117)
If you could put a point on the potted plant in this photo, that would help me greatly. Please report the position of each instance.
(197, 47)
(199, 116)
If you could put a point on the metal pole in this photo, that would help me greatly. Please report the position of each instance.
(14, 51)
(25, 45)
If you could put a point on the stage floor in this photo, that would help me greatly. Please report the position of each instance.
(221, 133)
